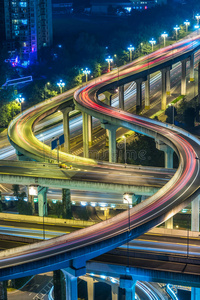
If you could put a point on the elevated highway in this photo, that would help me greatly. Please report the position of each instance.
(77, 248)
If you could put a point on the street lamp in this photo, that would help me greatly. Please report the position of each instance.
(20, 100)
(124, 137)
(164, 36)
(109, 61)
(126, 199)
(152, 42)
(131, 49)
(45, 88)
(176, 28)
(187, 23)
(198, 18)
(61, 84)
(86, 72)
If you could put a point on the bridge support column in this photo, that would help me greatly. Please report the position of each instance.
(90, 288)
(59, 285)
(90, 130)
(163, 94)
(22, 157)
(106, 213)
(3, 290)
(66, 204)
(138, 94)
(127, 283)
(168, 164)
(121, 97)
(195, 293)
(42, 201)
(71, 275)
(183, 77)
(195, 214)
(65, 113)
(147, 93)
(192, 67)
(115, 291)
(168, 153)
(168, 86)
(112, 140)
(108, 100)
(85, 135)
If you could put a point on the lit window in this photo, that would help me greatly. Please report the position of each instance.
(22, 4)
(24, 22)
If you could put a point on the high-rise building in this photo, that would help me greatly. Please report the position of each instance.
(28, 27)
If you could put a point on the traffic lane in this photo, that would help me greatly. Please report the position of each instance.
(96, 174)
(37, 288)
(158, 265)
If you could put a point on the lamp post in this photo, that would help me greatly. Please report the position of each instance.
(45, 88)
(152, 42)
(61, 84)
(109, 61)
(86, 72)
(131, 49)
(164, 36)
(198, 18)
(127, 200)
(20, 100)
(124, 137)
(176, 28)
(187, 23)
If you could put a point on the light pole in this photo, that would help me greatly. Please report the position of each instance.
(45, 88)
(42, 136)
(20, 100)
(198, 18)
(176, 28)
(131, 49)
(86, 72)
(152, 42)
(109, 61)
(164, 36)
(124, 137)
(187, 23)
(61, 84)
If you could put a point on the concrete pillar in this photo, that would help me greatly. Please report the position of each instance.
(115, 291)
(90, 288)
(112, 140)
(3, 290)
(90, 130)
(138, 95)
(121, 97)
(195, 293)
(147, 93)
(168, 86)
(163, 95)
(195, 214)
(65, 113)
(59, 285)
(169, 158)
(127, 283)
(71, 286)
(192, 67)
(42, 201)
(21, 157)
(66, 203)
(85, 135)
(169, 223)
(106, 213)
(183, 77)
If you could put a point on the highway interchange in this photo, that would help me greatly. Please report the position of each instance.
(92, 162)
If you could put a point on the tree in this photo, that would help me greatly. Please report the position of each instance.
(189, 116)
(16, 190)
(171, 113)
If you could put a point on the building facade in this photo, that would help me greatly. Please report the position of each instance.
(28, 28)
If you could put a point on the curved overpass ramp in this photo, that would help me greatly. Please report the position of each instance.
(76, 248)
